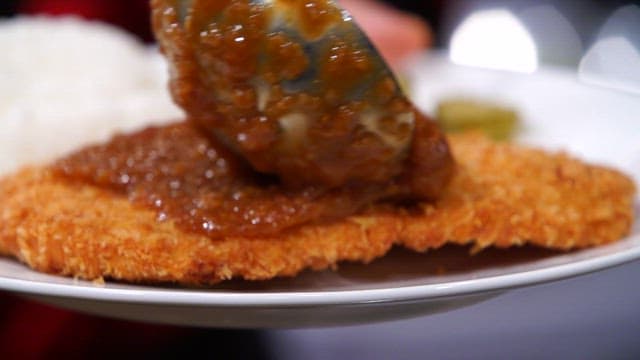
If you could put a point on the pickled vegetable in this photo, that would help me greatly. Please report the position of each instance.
(464, 114)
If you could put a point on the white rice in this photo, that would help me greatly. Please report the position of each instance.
(65, 83)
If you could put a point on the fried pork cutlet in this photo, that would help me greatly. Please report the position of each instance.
(502, 195)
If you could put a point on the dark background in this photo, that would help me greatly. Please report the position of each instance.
(586, 15)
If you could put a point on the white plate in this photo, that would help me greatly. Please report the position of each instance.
(559, 112)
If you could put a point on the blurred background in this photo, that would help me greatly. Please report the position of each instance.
(562, 30)
(599, 40)
(513, 35)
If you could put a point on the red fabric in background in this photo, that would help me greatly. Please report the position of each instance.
(29, 330)
(132, 15)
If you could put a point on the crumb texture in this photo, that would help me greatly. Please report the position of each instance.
(502, 195)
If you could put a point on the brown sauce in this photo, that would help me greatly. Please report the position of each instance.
(215, 173)
(197, 183)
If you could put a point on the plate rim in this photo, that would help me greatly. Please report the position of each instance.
(410, 293)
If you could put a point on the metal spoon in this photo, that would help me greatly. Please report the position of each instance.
(294, 86)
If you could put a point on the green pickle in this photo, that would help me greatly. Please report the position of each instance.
(463, 114)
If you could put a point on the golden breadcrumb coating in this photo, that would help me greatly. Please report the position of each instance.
(502, 195)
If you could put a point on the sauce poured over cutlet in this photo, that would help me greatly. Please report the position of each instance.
(190, 179)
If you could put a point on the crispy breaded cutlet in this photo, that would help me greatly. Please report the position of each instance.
(502, 195)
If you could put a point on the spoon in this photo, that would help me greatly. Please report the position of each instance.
(293, 86)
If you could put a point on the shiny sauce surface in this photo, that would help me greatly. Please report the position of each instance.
(253, 159)
(331, 116)
(195, 182)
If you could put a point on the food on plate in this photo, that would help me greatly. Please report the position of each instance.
(501, 195)
(467, 114)
(203, 200)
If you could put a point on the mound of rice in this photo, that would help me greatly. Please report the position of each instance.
(65, 82)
